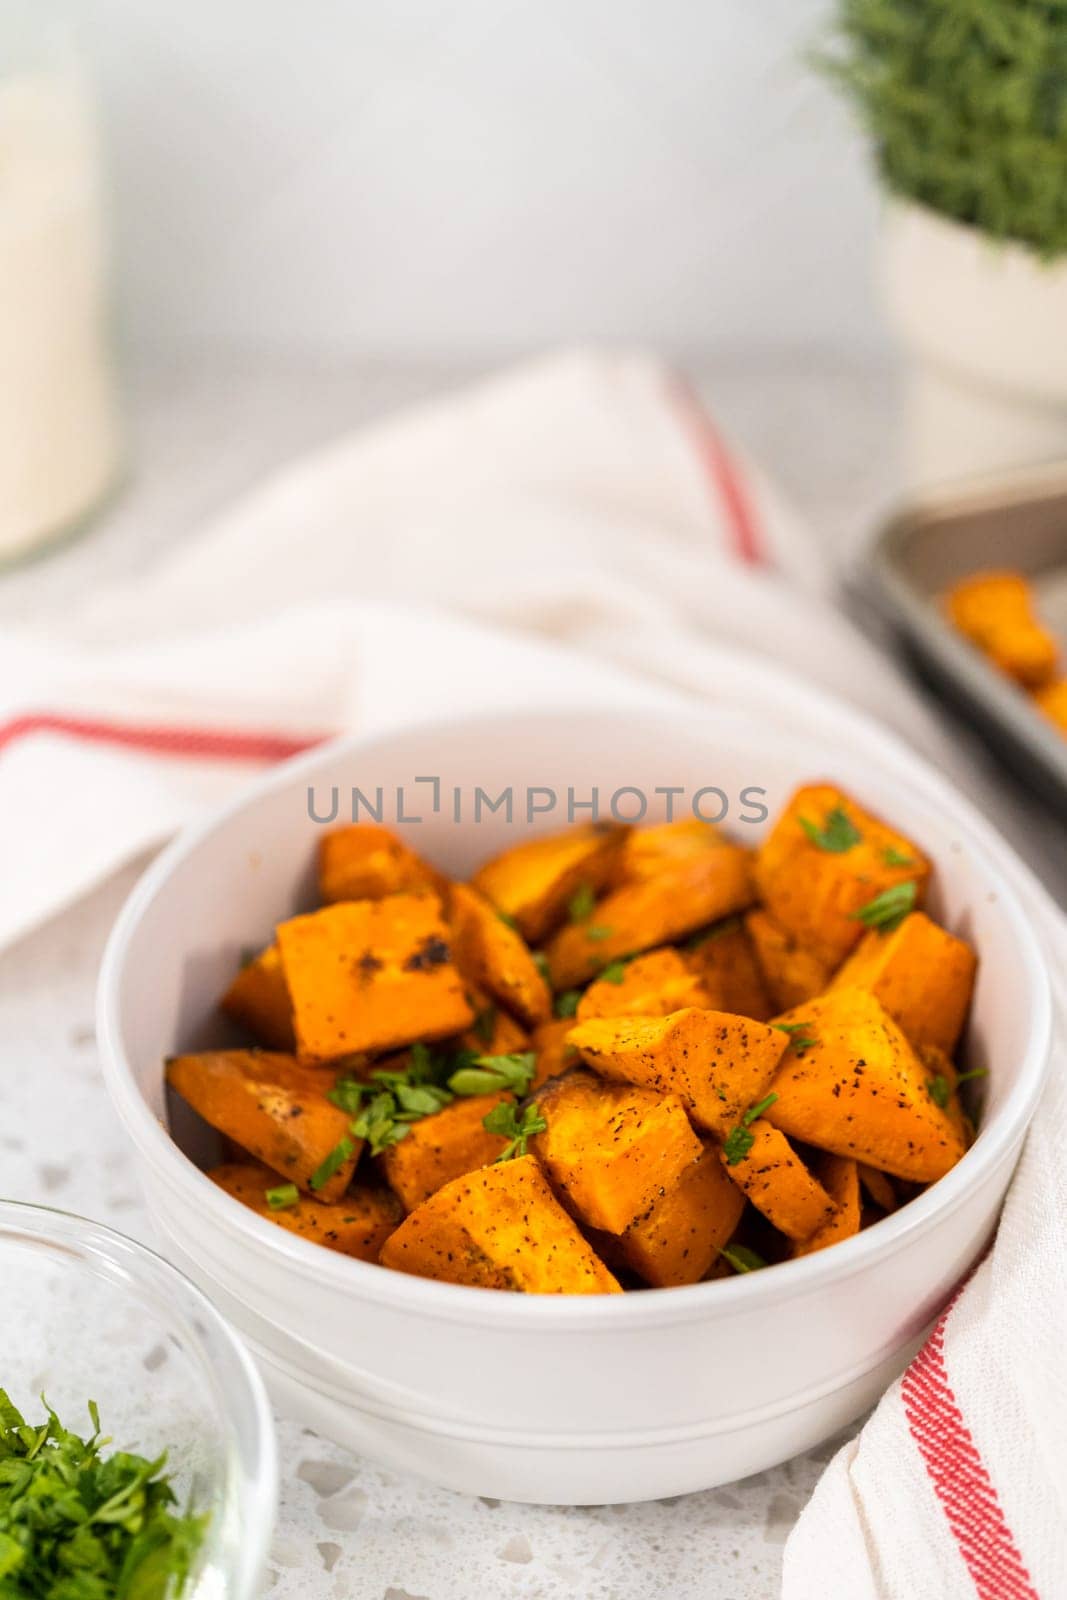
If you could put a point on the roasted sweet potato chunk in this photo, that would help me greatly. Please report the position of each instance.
(258, 999)
(371, 975)
(647, 852)
(679, 1237)
(725, 962)
(611, 1148)
(825, 862)
(649, 986)
(367, 862)
(499, 1228)
(790, 973)
(995, 610)
(357, 1225)
(778, 1183)
(922, 975)
(851, 1083)
(554, 1052)
(441, 1147)
(878, 1186)
(493, 1032)
(533, 882)
(718, 1064)
(840, 1178)
(651, 912)
(492, 955)
(273, 1107)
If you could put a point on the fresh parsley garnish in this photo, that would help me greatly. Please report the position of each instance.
(892, 857)
(739, 1140)
(341, 1152)
(939, 1090)
(540, 961)
(508, 920)
(567, 1002)
(492, 1074)
(798, 1039)
(581, 903)
(741, 1258)
(614, 972)
(76, 1524)
(837, 834)
(282, 1197)
(514, 1125)
(888, 909)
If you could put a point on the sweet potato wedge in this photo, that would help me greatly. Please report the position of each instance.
(995, 611)
(718, 1064)
(554, 1052)
(923, 976)
(493, 956)
(825, 861)
(654, 911)
(678, 1239)
(611, 1148)
(273, 1107)
(840, 1178)
(357, 1225)
(851, 1083)
(878, 1186)
(646, 852)
(441, 1147)
(778, 1183)
(533, 882)
(366, 862)
(499, 1228)
(652, 985)
(258, 999)
(371, 975)
(790, 973)
(724, 960)
(493, 1032)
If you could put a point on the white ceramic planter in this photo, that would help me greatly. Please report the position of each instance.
(588, 1399)
(985, 326)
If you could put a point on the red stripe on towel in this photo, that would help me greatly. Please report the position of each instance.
(724, 475)
(210, 744)
(959, 1476)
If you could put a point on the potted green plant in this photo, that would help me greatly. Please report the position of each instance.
(966, 104)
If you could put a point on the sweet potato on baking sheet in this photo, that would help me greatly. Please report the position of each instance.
(366, 862)
(995, 611)
(611, 1148)
(357, 1225)
(654, 911)
(678, 1239)
(492, 955)
(923, 976)
(371, 975)
(258, 999)
(652, 985)
(532, 883)
(851, 1083)
(716, 1063)
(442, 1147)
(275, 1108)
(840, 1178)
(826, 867)
(791, 973)
(777, 1182)
(724, 959)
(499, 1228)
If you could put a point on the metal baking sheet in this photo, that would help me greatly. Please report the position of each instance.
(1018, 522)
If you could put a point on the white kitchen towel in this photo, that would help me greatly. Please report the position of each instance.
(587, 500)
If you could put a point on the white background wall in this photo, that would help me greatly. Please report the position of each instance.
(460, 179)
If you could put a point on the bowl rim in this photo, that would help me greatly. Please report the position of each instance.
(898, 768)
(233, 1375)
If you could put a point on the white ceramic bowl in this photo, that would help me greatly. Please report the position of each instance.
(577, 1400)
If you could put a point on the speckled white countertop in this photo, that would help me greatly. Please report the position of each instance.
(345, 1527)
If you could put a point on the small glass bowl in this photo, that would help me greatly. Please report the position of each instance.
(87, 1314)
